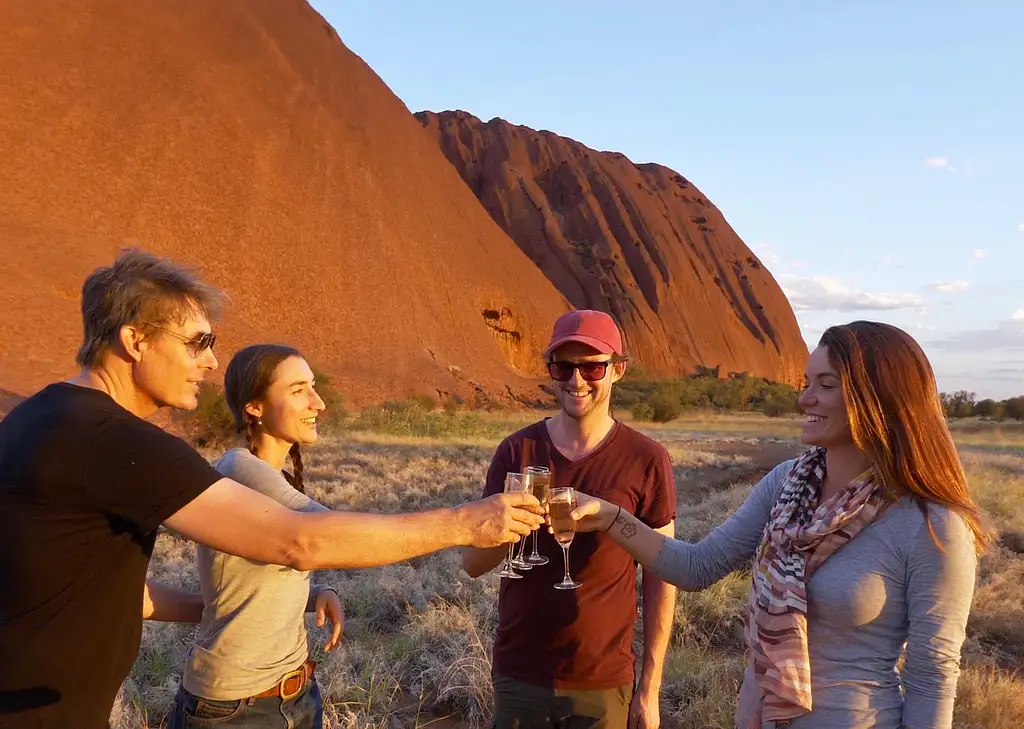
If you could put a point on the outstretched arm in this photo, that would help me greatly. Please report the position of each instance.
(684, 564)
(261, 529)
(170, 604)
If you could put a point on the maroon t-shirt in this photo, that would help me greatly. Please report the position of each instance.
(582, 638)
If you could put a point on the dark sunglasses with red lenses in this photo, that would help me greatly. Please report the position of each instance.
(589, 371)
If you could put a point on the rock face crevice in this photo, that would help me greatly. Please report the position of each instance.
(506, 332)
(638, 241)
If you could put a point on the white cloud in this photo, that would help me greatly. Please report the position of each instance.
(1021, 227)
(947, 287)
(939, 163)
(827, 293)
(977, 254)
(1007, 334)
(767, 252)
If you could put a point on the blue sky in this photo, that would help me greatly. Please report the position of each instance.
(871, 153)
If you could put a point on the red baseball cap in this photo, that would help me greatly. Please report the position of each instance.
(593, 328)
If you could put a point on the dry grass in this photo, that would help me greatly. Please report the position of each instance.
(1007, 435)
(418, 635)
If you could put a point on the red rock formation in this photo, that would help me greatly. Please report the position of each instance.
(639, 241)
(245, 138)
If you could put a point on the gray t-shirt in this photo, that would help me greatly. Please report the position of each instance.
(887, 587)
(253, 629)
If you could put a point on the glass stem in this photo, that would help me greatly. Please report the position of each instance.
(534, 553)
(508, 559)
(565, 555)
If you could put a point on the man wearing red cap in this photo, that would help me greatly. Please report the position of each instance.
(564, 658)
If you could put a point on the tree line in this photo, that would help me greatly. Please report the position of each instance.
(963, 404)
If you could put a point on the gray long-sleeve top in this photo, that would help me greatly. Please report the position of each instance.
(890, 585)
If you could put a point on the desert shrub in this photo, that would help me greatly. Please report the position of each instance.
(451, 405)
(700, 688)
(334, 416)
(736, 393)
(664, 408)
(210, 424)
(427, 402)
(988, 698)
(642, 411)
(411, 418)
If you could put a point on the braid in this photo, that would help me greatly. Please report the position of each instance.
(248, 431)
(296, 478)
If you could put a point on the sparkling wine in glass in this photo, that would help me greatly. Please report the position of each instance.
(539, 478)
(514, 482)
(561, 503)
(518, 561)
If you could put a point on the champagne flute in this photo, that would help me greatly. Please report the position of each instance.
(540, 482)
(514, 483)
(561, 503)
(518, 562)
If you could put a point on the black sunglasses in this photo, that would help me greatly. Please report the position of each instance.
(589, 371)
(194, 346)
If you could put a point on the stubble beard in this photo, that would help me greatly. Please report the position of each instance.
(593, 407)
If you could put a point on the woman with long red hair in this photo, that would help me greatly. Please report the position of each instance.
(862, 546)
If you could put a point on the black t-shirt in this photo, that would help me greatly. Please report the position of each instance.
(84, 484)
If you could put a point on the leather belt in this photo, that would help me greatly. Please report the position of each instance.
(291, 684)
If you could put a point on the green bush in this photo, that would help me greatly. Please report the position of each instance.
(411, 418)
(427, 402)
(451, 405)
(775, 409)
(334, 416)
(642, 411)
(666, 399)
(664, 408)
(211, 423)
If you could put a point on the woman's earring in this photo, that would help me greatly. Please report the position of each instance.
(259, 421)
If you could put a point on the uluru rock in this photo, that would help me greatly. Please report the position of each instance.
(637, 240)
(244, 138)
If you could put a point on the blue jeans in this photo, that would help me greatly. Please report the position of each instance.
(305, 711)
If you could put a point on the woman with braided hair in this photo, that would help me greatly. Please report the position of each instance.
(863, 547)
(250, 665)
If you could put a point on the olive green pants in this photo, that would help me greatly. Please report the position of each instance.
(520, 705)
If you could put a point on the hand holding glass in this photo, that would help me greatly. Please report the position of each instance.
(561, 503)
(539, 480)
(514, 482)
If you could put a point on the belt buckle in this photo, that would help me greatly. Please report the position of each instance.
(299, 673)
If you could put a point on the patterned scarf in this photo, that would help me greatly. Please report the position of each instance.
(799, 536)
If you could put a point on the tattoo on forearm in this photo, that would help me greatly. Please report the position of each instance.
(628, 530)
